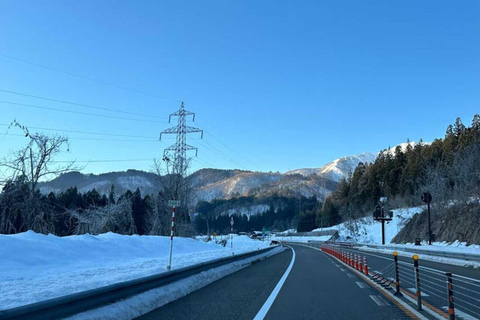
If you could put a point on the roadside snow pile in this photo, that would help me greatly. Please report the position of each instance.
(367, 230)
(363, 230)
(37, 267)
(301, 239)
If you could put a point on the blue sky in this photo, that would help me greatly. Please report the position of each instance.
(278, 85)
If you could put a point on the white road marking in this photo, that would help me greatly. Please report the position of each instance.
(414, 290)
(266, 306)
(379, 300)
(377, 272)
(350, 275)
(342, 269)
(361, 284)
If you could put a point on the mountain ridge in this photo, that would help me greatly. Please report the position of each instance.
(209, 183)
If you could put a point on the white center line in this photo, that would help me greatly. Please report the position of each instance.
(266, 306)
(362, 285)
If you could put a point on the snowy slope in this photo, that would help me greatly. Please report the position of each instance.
(338, 168)
(37, 267)
(367, 230)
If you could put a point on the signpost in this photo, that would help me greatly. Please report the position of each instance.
(379, 215)
(172, 203)
(231, 231)
(427, 198)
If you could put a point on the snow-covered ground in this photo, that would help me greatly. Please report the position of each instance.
(302, 239)
(143, 303)
(367, 230)
(38, 267)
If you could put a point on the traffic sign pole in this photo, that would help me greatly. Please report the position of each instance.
(174, 202)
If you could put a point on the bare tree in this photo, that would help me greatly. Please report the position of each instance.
(174, 186)
(116, 218)
(21, 206)
(159, 218)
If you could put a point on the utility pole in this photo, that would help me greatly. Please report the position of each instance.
(427, 198)
(379, 215)
(180, 147)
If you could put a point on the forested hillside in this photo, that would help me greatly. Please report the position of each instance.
(280, 213)
(448, 168)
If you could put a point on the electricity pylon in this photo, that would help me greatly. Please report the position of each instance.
(180, 148)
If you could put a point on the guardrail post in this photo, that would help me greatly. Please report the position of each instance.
(365, 265)
(397, 276)
(451, 308)
(417, 282)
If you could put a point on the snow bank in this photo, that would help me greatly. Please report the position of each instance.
(302, 239)
(367, 230)
(37, 267)
(145, 302)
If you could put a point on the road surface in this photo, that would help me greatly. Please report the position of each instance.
(466, 281)
(317, 287)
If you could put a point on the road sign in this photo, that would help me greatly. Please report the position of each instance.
(426, 197)
(174, 203)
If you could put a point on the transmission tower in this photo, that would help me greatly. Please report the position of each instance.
(180, 148)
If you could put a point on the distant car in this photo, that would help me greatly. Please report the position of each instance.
(256, 234)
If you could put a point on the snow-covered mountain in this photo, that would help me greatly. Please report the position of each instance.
(211, 184)
(404, 146)
(338, 168)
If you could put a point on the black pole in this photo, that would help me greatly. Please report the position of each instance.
(383, 232)
(451, 308)
(429, 226)
(383, 225)
(417, 282)
(397, 276)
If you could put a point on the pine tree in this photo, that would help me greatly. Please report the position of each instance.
(111, 195)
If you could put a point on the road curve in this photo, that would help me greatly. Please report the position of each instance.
(316, 288)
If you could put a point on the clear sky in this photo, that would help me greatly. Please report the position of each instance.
(278, 85)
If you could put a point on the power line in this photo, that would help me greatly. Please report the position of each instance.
(89, 139)
(85, 132)
(101, 161)
(87, 78)
(222, 154)
(204, 162)
(79, 104)
(77, 112)
(219, 141)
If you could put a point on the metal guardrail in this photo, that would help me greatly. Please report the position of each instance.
(419, 250)
(72, 304)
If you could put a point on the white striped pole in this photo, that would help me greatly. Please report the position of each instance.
(169, 266)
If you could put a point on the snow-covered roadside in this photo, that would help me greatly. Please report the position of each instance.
(143, 303)
(38, 267)
(302, 239)
(367, 230)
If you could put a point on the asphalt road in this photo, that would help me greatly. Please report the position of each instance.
(316, 288)
(466, 281)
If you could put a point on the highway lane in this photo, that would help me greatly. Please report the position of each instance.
(320, 288)
(237, 296)
(316, 288)
(466, 280)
